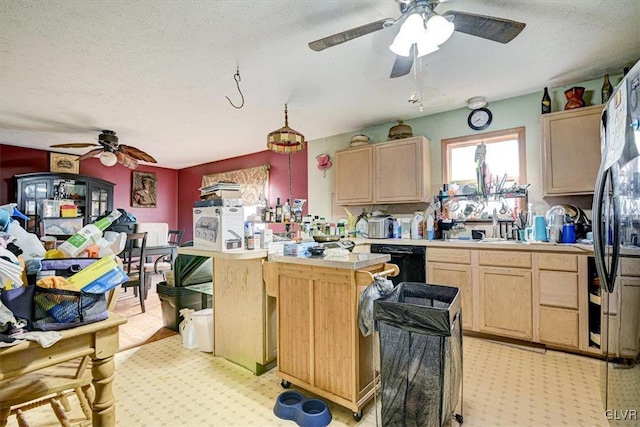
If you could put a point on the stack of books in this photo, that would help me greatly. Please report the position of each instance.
(220, 194)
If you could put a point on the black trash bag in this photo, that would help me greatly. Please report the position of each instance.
(420, 354)
(380, 287)
(125, 223)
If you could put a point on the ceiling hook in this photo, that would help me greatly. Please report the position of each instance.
(237, 78)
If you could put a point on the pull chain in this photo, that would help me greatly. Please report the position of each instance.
(237, 78)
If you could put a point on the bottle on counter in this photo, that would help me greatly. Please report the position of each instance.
(416, 225)
(607, 89)
(278, 211)
(87, 235)
(286, 212)
(546, 102)
(430, 229)
(248, 236)
(267, 214)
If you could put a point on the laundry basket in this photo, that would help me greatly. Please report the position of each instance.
(420, 330)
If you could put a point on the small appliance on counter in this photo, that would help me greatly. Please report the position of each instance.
(380, 227)
(218, 228)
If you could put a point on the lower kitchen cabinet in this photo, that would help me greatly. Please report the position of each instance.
(459, 276)
(505, 302)
(629, 316)
(559, 326)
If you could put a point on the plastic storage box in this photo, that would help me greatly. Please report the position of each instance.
(173, 299)
(420, 354)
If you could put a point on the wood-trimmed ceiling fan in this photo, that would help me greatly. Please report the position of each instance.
(488, 27)
(110, 151)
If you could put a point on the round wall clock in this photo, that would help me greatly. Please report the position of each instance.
(479, 119)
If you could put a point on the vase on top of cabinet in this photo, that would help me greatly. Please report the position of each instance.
(91, 197)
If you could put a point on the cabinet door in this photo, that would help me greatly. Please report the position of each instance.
(559, 326)
(30, 194)
(354, 176)
(402, 171)
(100, 201)
(571, 138)
(505, 302)
(460, 277)
(629, 316)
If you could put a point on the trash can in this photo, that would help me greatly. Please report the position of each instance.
(203, 323)
(420, 330)
(173, 299)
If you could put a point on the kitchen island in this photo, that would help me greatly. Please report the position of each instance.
(320, 347)
(243, 315)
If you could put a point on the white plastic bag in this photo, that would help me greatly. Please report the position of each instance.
(187, 329)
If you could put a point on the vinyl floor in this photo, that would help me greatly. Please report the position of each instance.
(164, 384)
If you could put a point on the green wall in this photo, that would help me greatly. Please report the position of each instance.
(508, 113)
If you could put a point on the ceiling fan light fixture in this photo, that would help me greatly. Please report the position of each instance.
(107, 158)
(411, 31)
(285, 140)
(426, 45)
(440, 29)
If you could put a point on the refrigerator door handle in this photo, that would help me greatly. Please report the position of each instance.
(615, 226)
(599, 237)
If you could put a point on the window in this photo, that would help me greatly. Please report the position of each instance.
(505, 160)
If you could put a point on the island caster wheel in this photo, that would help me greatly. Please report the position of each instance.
(357, 415)
(285, 384)
(459, 418)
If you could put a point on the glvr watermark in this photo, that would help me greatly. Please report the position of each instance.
(621, 414)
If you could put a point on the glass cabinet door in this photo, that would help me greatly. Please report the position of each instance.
(33, 194)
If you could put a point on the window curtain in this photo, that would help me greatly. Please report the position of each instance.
(255, 182)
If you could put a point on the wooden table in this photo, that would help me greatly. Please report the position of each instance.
(98, 340)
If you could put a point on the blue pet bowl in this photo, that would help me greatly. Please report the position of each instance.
(292, 405)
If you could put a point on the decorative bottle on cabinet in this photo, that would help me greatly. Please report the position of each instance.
(546, 102)
(607, 89)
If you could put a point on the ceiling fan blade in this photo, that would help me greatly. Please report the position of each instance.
(135, 153)
(488, 27)
(90, 153)
(351, 34)
(402, 65)
(126, 161)
(74, 145)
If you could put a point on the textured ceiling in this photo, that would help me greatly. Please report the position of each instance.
(157, 72)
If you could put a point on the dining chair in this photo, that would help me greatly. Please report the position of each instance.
(164, 262)
(133, 257)
(52, 386)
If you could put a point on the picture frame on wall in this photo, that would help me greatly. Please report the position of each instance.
(64, 163)
(144, 190)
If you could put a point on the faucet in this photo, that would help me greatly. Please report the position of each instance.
(495, 223)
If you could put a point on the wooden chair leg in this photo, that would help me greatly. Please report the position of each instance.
(22, 420)
(64, 400)
(84, 403)
(61, 415)
(143, 295)
(4, 415)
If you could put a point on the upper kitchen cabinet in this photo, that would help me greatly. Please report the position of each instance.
(402, 171)
(571, 151)
(384, 173)
(354, 176)
(91, 196)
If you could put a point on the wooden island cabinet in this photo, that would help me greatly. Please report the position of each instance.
(320, 347)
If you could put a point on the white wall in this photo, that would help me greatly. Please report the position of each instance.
(508, 113)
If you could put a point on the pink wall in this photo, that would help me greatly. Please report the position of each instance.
(177, 190)
(190, 179)
(18, 160)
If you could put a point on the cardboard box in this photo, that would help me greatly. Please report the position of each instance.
(218, 228)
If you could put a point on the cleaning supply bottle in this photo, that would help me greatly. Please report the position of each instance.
(28, 242)
(416, 225)
(430, 231)
(87, 235)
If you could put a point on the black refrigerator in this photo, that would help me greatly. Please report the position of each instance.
(616, 230)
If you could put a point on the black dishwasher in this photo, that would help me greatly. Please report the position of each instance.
(411, 261)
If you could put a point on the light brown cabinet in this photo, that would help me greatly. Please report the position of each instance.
(354, 176)
(320, 347)
(384, 173)
(570, 151)
(402, 171)
(459, 276)
(505, 302)
(557, 287)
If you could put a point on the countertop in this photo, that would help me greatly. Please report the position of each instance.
(511, 245)
(232, 254)
(349, 262)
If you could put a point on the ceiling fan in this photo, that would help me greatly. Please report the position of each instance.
(111, 152)
(422, 29)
